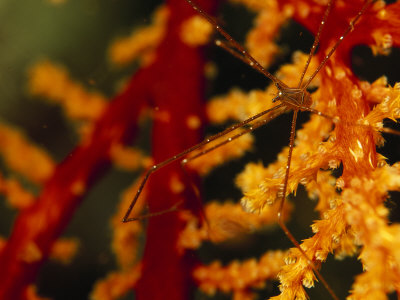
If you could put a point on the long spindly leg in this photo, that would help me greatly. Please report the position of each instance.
(228, 47)
(316, 42)
(336, 120)
(282, 196)
(184, 153)
(282, 193)
(247, 130)
(341, 38)
(250, 60)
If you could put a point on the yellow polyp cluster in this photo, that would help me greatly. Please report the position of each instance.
(289, 73)
(223, 108)
(196, 31)
(329, 233)
(176, 185)
(78, 187)
(16, 196)
(125, 242)
(36, 164)
(193, 122)
(225, 221)
(260, 40)
(236, 148)
(31, 253)
(142, 43)
(388, 99)
(128, 158)
(383, 43)
(125, 245)
(31, 293)
(53, 83)
(116, 284)
(239, 277)
(380, 253)
(306, 161)
(267, 26)
(64, 250)
(238, 105)
(323, 187)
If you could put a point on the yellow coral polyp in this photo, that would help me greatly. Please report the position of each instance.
(365, 212)
(128, 158)
(238, 105)
(36, 164)
(31, 253)
(16, 195)
(193, 122)
(53, 83)
(260, 41)
(142, 43)
(125, 243)
(237, 276)
(64, 250)
(116, 284)
(205, 163)
(225, 221)
(383, 43)
(196, 31)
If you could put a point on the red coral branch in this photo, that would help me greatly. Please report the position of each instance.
(37, 227)
(339, 19)
(172, 85)
(178, 89)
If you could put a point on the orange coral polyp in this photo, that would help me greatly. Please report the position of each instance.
(196, 31)
(64, 250)
(142, 43)
(37, 164)
(53, 82)
(238, 276)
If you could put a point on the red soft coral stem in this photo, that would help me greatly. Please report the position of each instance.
(339, 19)
(173, 84)
(166, 272)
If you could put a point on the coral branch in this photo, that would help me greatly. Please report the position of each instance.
(176, 99)
(239, 276)
(37, 227)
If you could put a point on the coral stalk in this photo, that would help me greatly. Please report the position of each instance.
(177, 96)
(37, 227)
